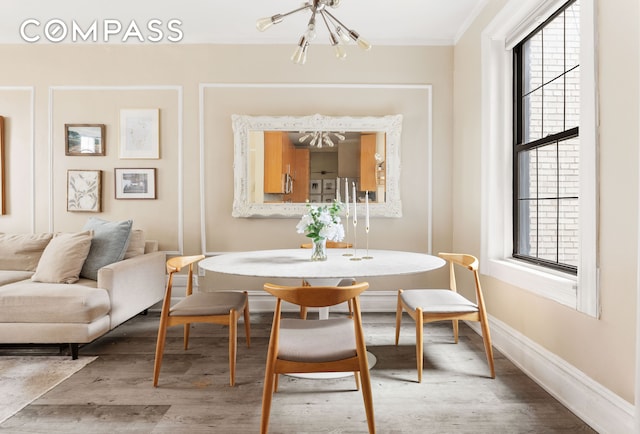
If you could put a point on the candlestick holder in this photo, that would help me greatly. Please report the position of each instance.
(355, 240)
(346, 238)
(366, 229)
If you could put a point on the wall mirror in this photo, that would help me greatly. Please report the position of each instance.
(282, 162)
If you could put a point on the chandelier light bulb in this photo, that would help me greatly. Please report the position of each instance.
(343, 35)
(264, 23)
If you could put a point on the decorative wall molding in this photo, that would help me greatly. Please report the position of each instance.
(180, 163)
(429, 144)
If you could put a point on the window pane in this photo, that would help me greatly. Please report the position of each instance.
(527, 235)
(572, 35)
(547, 171)
(572, 99)
(569, 167)
(553, 43)
(548, 229)
(532, 68)
(532, 128)
(527, 185)
(568, 230)
(553, 107)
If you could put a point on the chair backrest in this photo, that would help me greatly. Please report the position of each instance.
(469, 262)
(175, 264)
(330, 245)
(316, 296)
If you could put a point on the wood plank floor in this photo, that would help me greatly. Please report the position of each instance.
(115, 393)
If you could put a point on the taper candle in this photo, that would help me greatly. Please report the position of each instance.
(346, 194)
(366, 203)
(355, 209)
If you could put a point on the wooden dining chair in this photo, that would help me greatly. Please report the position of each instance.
(304, 346)
(219, 307)
(344, 282)
(429, 305)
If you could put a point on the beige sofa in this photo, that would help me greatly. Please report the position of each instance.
(39, 308)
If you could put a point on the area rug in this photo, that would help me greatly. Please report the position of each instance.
(25, 379)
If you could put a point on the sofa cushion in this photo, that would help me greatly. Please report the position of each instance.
(136, 244)
(22, 251)
(33, 302)
(63, 257)
(10, 276)
(109, 244)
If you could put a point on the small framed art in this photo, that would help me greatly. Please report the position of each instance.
(140, 133)
(84, 190)
(135, 183)
(84, 139)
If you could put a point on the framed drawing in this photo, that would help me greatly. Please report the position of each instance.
(329, 186)
(315, 186)
(135, 183)
(140, 133)
(84, 190)
(84, 139)
(3, 208)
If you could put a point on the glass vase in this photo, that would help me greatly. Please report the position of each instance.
(319, 250)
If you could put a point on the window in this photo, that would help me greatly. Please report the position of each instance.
(551, 139)
(546, 157)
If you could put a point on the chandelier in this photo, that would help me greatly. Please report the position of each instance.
(339, 34)
(320, 137)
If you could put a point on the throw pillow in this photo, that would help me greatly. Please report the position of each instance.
(109, 244)
(63, 257)
(136, 244)
(22, 252)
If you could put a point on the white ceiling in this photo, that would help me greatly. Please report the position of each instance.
(397, 22)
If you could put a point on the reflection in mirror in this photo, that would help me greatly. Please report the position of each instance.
(283, 162)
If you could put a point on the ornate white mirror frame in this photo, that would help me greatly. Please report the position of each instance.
(391, 125)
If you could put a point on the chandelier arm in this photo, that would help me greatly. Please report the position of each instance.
(326, 22)
(338, 21)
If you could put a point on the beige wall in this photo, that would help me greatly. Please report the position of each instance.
(603, 348)
(91, 83)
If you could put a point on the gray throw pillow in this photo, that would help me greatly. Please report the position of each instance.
(109, 244)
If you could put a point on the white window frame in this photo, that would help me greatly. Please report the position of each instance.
(515, 21)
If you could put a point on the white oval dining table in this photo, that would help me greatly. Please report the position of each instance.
(297, 264)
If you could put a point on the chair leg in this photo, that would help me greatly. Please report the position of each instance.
(488, 348)
(162, 334)
(275, 382)
(419, 343)
(270, 380)
(303, 312)
(398, 317)
(233, 345)
(247, 323)
(365, 381)
(357, 378)
(187, 328)
(455, 330)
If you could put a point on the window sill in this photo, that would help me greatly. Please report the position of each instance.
(550, 284)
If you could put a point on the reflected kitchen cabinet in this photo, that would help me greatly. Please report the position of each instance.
(278, 159)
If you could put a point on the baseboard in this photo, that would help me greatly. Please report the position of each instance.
(600, 408)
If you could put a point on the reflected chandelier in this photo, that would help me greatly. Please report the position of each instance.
(339, 34)
(320, 137)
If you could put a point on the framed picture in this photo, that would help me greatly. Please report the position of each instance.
(84, 139)
(140, 133)
(3, 208)
(84, 190)
(329, 186)
(135, 183)
(315, 186)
